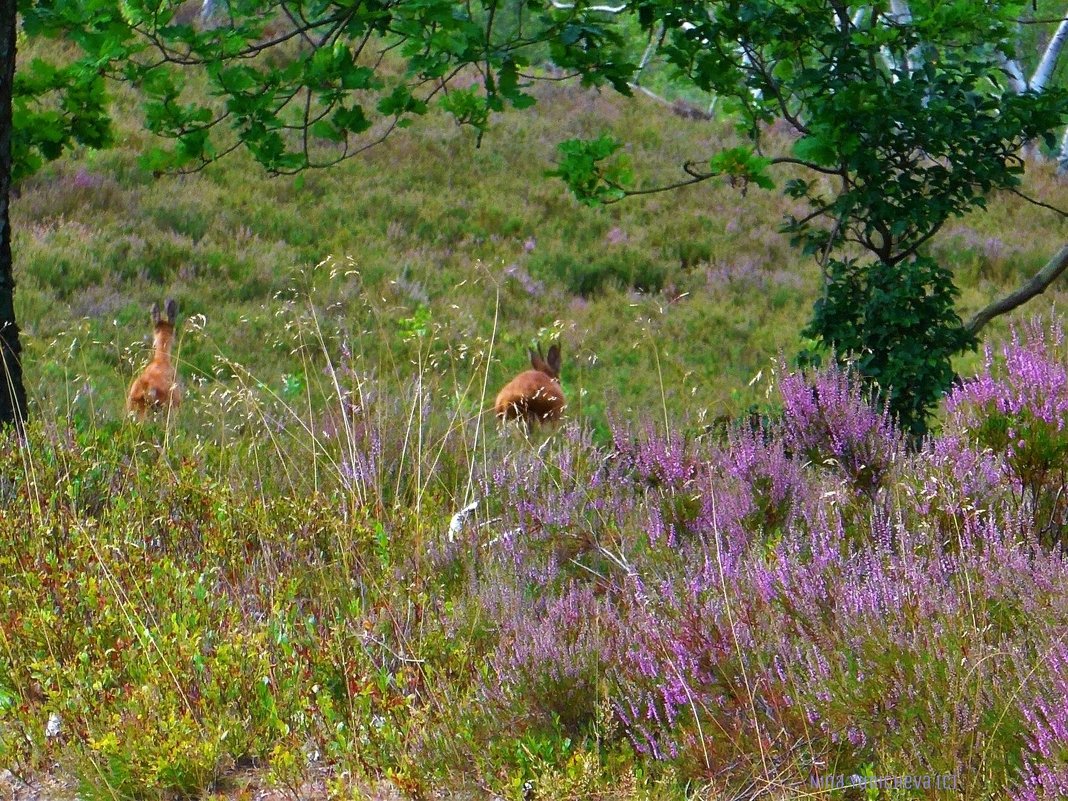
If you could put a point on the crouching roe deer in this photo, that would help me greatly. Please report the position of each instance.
(534, 395)
(157, 386)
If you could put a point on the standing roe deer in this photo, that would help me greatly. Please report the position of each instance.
(157, 386)
(534, 395)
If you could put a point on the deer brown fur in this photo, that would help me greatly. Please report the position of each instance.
(157, 386)
(534, 396)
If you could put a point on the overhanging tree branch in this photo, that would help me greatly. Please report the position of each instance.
(1036, 202)
(1036, 286)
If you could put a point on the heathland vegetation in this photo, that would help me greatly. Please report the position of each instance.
(329, 571)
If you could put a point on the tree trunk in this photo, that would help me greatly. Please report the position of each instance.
(1039, 79)
(1044, 70)
(210, 11)
(902, 15)
(12, 392)
(1017, 81)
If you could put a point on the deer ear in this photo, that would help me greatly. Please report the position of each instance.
(537, 362)
(554, 359)
(172, 311)
(155, 314)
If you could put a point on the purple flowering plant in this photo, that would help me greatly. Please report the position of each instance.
(805, 591)
(1017, 407)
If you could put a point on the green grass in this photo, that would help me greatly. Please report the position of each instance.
(425, 220)
(700, 276)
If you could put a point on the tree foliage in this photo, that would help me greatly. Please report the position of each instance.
(296, 83)
(901, 122)
(897, 326)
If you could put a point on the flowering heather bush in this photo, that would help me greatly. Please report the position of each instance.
(559, 665)
(826, 418)
(771, 484)
(765, 608)
(1045, 774)
(1018, 408)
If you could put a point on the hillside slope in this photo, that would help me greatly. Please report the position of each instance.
(667, 304)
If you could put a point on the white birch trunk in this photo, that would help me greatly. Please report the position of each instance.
(902, 14)
(1017, 81)
(605, 9)
(1062, 156)
(648, 54)
(1044, 70)
(1039, 79)
(208, 10)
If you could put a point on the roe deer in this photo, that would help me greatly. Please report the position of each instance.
(157, 386)
(534, 395)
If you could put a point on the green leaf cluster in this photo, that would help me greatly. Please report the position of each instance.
(585, 167)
